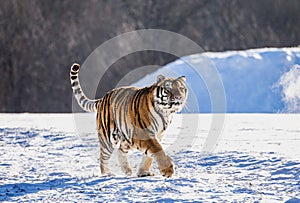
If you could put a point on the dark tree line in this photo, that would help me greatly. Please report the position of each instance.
(40, 39)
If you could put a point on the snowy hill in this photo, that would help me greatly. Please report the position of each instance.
(255, 81)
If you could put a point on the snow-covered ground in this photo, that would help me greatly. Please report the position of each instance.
(53, 158)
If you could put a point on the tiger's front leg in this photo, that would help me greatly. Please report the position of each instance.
(145, 166)
(165, 164)
(152, 148)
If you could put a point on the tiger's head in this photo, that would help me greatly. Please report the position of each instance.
(171, 93)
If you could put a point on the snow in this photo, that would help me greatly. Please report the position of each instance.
(262, 80)
(218, 157)
(54, 158)
(290, 83)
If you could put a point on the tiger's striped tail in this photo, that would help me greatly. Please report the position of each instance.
(84, 102)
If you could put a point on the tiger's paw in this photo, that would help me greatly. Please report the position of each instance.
(108, 174)
(145, 173)
(167, 172)
(166, 166)
(127, 171)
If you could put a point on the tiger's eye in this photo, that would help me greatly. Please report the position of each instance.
(168, 84)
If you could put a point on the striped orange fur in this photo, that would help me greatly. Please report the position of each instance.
(134, 118)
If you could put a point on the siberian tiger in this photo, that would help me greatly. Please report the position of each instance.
(134, 118)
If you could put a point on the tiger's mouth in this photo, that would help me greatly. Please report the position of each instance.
(171, 103)
(176, 100)
(175, 103)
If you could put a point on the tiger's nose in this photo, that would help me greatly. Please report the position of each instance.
(177, 97)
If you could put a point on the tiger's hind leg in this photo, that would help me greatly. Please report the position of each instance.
(104, 163)
(106, 150)
(125, 166)
(145, 167)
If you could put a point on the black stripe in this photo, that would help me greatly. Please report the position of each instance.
(153, 119)
(77, 91)
(88, 106)
(103, 118)
(81, 98)
(122, 150)
(122, 107)
(124, 116)
(143, 97)
(148, 109)
(161, 93)
(160, 115)
(105, 144)
(119, 115)
(119, 94)
(75, 67)
(157, 92)
(74, 77)
(132, 101)
(135, 104)
(120, 102)
(84, 102)
(91, 106)
(74, 83)
(108, 116)
(154, 123)
(106, 155)
(73, 73)
(96, 104)
(138, 111)
(127, 140)
(146, 152)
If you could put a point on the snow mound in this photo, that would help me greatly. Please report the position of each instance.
(256, 81)
(290, 83)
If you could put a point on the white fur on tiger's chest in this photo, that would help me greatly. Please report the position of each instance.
(161, 122)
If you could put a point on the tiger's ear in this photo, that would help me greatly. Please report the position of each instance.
(160, 78)
(182, 78)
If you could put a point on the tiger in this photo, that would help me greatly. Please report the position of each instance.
(131, 118)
